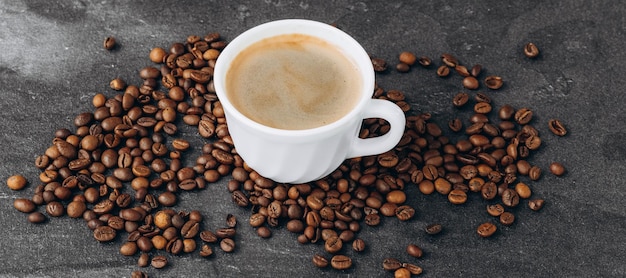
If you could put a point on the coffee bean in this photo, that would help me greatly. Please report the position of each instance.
(402, 67)
(264, 232)
(457, 197)
(128, 249)
(495, 210)
(208, 236)
(407, 58)
(414, 250)
(433, 229)
(424, 61)
(460, 99)
(159, 261)
(443, 71)
(227, 245)
(24, 205)
(507, 218)
(531, 50)
(476, 69)
(391, 264)
(470, 83)
(493, 82)
(341, 262)
(536, 204)
(402, 273)
(109, 43)
(486, 229)
(557, 127)
(510, 198)
(55, 209)
(523, 116)
(333, 245)
(449, 60)
(36, 217)
(206, 250)
(413, 269)
(16, 182)
(557, 169)
(534, 173)
(380, 65)
(405, 213)
(104, 233)
(320, 261)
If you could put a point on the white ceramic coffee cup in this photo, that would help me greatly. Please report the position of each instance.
(299, 156)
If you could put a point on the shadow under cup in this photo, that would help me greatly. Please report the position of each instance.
(303, 155)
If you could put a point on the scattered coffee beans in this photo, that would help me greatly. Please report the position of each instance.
(132, 135)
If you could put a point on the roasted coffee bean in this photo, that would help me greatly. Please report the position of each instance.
(391, 264)
(455, 125)
(36, 217)
(402, 273)
(424, 61)
(407, 58)
(470, 83)
(128, 248)
(109, 43)
(433, 229)
(333, 245)
(457, 197)
(264, 232)
(138, 274)
(507, 218)
(557, 169)
(413, 269)
(557, 127)
(536, 204)
(486, 229)
(404, 213)
(159, 261)
(55, 209)
(449, 60)
(523, 190)
(320, 261)
(358, 245)
(380, 65)
(414, 250)
(510, 198)
(208, 236)
(24, 205)
(523, 116)
(104, 233)
(534, 173)
(227, 245)
(495, 210)
(493, 82)
(531, 50)
(402, 67)
(16, 182)
(341, 262)
(206, 250)
(443, 71)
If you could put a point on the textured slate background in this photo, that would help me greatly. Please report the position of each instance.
(52, 63)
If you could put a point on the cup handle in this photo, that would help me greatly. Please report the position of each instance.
(384, 109)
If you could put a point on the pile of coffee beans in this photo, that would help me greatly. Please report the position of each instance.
(120, 168)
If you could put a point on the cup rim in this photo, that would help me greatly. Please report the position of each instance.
(356, 53)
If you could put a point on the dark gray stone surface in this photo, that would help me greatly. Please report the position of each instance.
(52, 63)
